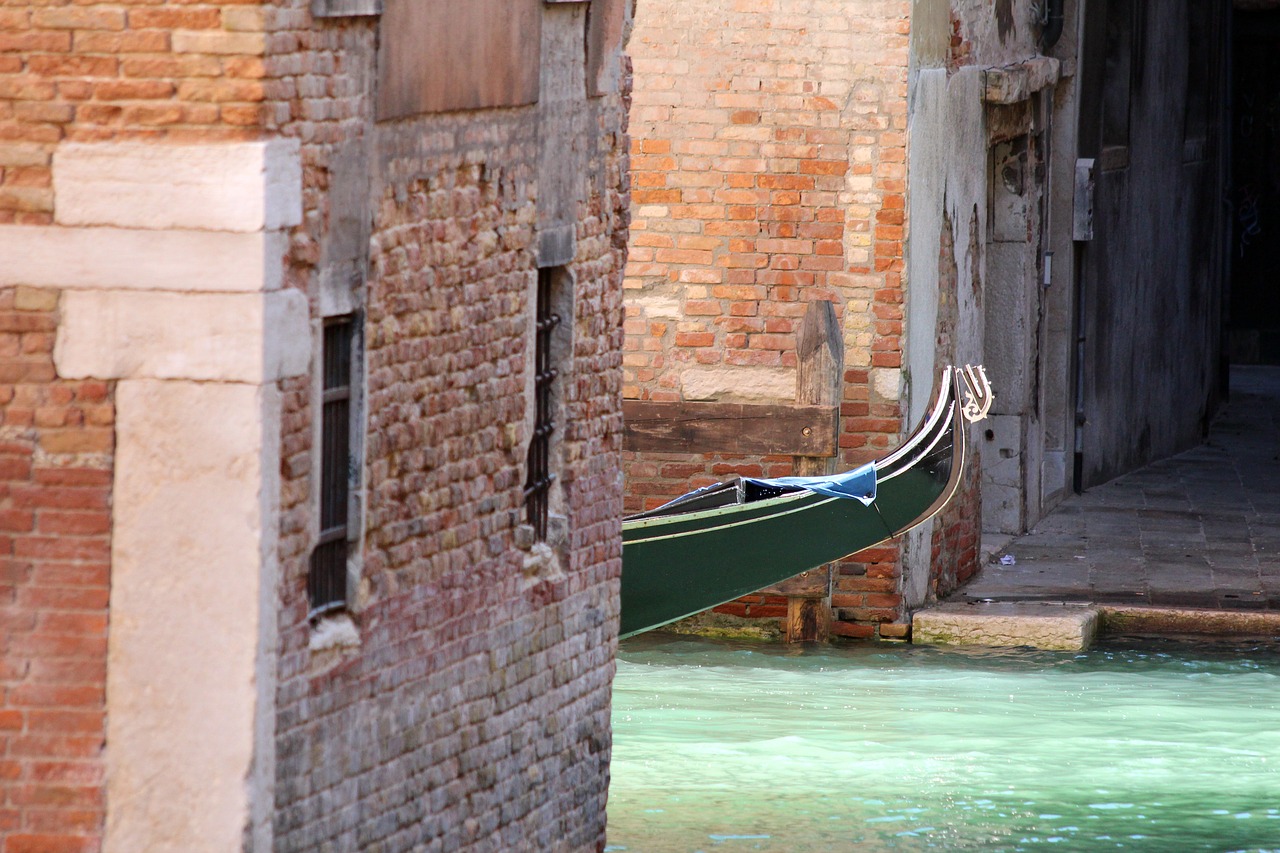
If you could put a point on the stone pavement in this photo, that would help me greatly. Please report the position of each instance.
(1200, 530)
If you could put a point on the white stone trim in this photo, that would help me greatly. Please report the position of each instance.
(133, 259)
(190, 669)
(228, 337)
(228, 186)
(171, 259)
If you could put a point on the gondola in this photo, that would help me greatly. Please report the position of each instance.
(733, 538)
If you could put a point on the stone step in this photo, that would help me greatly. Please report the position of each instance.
(1056, 627)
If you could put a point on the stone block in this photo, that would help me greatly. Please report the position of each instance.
(35, 299)
(135, 259)
(228, 186)
(192, 553)
(232, 337)
(1055, 627)
(345, 8)
(774, 384)
(1020, 81)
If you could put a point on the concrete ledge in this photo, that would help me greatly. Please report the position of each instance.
(1182, 620)
(1015, 83)
(1056, 627)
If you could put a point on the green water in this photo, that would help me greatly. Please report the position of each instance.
(1152, 747)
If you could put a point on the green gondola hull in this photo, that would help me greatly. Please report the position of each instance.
(683, 563)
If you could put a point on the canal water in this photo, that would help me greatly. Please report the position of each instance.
(1141, 745)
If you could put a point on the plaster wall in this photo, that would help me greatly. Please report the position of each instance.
(947, 190)
(993, 33)
(1057, 353)
(980, 147)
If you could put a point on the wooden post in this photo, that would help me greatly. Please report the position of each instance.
(819, 373)
(819, 382)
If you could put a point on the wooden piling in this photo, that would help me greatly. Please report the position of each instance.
(819, 378)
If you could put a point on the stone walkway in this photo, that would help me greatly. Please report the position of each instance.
(1200, 530)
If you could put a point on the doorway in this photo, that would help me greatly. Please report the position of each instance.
(1254, 319)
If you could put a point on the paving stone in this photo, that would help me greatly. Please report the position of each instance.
(1040, 626)
(1201, 529)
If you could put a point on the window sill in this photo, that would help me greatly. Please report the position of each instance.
(345, 8)
(334, 632)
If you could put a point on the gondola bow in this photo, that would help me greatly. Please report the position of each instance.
(721, 542)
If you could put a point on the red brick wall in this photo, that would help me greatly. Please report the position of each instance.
(475, 708)
(93, 71)
(56, 450)
(769, 161)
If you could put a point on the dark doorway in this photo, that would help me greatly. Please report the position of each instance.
(1153, 141)
(1254, 324)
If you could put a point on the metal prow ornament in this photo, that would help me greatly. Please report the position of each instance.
(978, 395)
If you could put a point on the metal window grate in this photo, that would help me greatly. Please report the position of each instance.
(327, 580)
(537, 489)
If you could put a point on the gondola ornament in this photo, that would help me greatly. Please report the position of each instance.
(978, 393)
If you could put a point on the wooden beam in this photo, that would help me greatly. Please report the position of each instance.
(734, 428)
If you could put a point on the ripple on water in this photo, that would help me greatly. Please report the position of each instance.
(723, 746)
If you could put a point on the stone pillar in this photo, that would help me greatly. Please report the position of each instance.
(170, 260)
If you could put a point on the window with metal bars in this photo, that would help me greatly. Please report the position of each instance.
(327, 580)
(537, 488)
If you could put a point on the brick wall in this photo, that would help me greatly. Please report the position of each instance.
(768, 155)
(96, 71)
(56, 443)
(474, 709)
(473, 713)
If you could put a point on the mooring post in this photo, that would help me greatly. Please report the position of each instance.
(819, 377)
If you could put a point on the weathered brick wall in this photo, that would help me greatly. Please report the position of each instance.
(769, 151)
(957, 533)
(96, 71)
(473, 713)
(56, 453)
